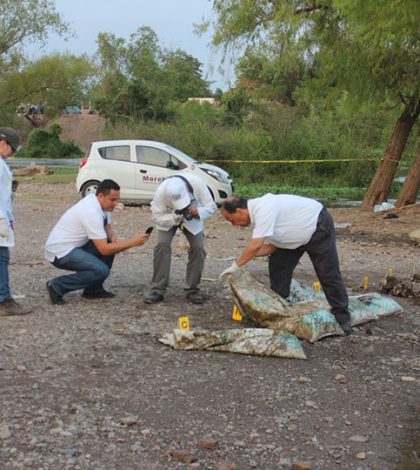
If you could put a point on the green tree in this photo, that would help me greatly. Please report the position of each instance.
(22, 21)
(370, 48)
(183, 74)
(43, 144)
(55, 80)
(140, 80)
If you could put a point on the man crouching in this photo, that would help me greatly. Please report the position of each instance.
(83, 241)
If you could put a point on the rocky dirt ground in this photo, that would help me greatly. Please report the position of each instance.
(88, 386)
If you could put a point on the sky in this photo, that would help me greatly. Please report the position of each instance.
(172, 20)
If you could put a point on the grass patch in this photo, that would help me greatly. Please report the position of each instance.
(327, 194)
(61, 175)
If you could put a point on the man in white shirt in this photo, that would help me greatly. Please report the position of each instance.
(183, 202)
(83, 241)
(9, 143)
(284, 228)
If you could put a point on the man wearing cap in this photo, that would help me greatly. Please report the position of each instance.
(183, 202)
(9, 143)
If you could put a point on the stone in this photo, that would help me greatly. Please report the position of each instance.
(301, 465)
(182, 456)
(209, 444)
(5, 433)
(129, 421)
(358, 438)
(304, 380)
(225, 466)
(415, 236)
(240, 444)
(407, 379)
(341, 378)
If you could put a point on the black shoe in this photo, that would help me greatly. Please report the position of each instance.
(153, 298)
(98, 294)
(55, 298)
(346, 327)
(195, 297)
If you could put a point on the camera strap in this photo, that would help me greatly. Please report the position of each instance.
(187, 183)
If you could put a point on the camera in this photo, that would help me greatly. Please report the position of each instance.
(185, 213)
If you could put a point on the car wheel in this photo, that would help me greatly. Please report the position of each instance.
(89, 188)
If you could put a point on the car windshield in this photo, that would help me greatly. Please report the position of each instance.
(187, 157)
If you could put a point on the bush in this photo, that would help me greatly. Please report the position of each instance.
(43, 144)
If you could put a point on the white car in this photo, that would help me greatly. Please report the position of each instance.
(138, 166)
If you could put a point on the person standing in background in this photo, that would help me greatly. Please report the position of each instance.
(9, 143)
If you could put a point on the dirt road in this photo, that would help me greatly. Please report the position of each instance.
(88, 386)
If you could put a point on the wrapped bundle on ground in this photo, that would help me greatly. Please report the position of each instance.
(255, 341)
(306, 320)
(307, 313)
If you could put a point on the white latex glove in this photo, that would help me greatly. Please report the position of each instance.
(230, 270)
(4, 229)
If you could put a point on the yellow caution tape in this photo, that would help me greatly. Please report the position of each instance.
(296, 161)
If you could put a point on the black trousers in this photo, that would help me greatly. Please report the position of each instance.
(322, 251)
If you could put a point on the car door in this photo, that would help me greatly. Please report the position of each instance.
(116, 164)
(153, 166)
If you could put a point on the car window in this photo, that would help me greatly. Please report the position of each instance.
(116, 152)
(157, 157)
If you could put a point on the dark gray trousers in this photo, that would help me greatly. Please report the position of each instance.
(162, 260)
(322, 251)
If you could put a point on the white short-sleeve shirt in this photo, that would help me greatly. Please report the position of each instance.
(83, 222)
(285, 220)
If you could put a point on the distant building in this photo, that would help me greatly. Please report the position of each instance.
(204, 99)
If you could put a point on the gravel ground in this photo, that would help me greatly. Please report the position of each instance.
(87, 385)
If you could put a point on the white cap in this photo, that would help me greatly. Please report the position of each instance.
(177, 193)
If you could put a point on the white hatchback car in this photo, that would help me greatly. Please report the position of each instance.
(138, 166)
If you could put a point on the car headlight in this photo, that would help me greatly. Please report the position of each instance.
(216, 175)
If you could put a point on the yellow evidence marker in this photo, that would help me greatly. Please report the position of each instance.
(365, 283)
(236, 314)
(390, 272)
(184, 323)
(317, 286)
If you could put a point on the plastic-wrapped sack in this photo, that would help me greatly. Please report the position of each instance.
(256, 301)
(380, 305)
(311, 326)
(307, 315)
(307, 320)
(362, 307)
(255, 341)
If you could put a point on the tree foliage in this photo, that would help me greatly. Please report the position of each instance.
(368, 48)
(140, 79)
(56, 80)
(44, 80)
(47, 144)
(22, 21)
